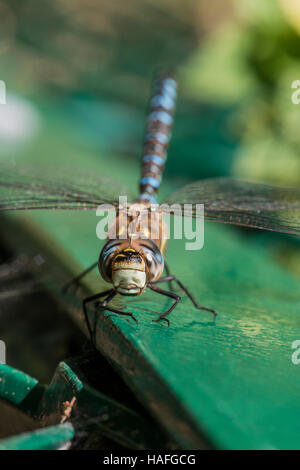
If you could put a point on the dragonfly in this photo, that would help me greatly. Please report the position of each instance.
(134, 263)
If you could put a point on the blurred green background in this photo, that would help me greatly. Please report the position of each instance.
(78, 77)
(85, 67)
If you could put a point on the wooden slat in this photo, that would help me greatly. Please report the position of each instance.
(230, 383)
(227, 384)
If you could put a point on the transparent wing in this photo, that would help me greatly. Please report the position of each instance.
(238, 202)
(48, 188)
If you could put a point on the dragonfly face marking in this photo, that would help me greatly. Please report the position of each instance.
(128, 272)
(129, 281)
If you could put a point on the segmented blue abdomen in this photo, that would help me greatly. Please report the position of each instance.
(157, 135)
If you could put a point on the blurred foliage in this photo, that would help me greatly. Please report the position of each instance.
(97, 46)
(251, 63)
(93, 62)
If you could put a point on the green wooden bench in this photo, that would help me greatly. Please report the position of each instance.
(70, 396)
(228, 383)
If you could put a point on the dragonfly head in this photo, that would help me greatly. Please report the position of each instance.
(128, 272)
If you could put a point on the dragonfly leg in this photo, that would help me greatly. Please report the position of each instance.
(167, 294)
(119, 312)
(167, 269)
(75, 280)
(187, 292)
(110, 294)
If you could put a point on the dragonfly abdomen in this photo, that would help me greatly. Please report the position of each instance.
(157, 136)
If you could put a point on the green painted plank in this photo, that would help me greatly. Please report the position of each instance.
(230, 382)
(17, 387)
(96, 412)
(93, 412)
(51, 438)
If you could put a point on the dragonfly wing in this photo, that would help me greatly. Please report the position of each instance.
(237, 202)
(46, 188)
